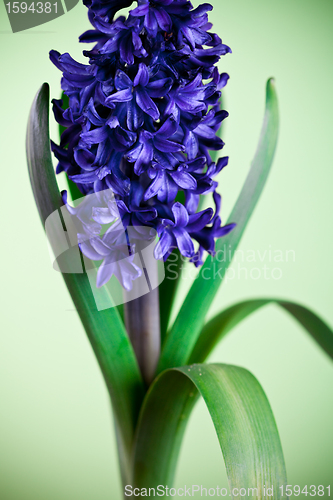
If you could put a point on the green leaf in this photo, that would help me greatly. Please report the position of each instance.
(243, 421)
(104, 328)
(182, 337)
(221, 324)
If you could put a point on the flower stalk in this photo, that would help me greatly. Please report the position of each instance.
(142, 320)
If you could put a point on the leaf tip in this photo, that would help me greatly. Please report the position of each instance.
(271, 89)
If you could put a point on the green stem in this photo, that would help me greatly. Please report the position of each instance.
(124, 459)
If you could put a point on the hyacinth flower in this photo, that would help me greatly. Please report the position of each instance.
(141, 149)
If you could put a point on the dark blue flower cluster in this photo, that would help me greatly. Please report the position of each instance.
(143, 116)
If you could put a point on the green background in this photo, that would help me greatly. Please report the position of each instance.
(56, 436)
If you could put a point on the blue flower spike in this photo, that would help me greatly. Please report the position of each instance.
(142, 119)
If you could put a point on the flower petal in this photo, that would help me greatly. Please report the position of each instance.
(199, 220)
(142, 76)
(184, 179)
(100, 247)
(163, 245)
(88, 251)
(184, 242)
(222, 231)
(146, 103)
(105, 271)
(102, 215)
(120, 96)
(180, 214)
(155, 186)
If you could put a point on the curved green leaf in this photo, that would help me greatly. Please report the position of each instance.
(221, 324)
(186, 329)
(242, 417)
(105, 329)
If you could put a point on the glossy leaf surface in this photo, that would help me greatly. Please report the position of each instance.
(220, 325)
(243, 421)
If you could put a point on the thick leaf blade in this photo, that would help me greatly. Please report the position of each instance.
(41, 172)
(105, 329)
(242, 417)
(188, 324)
(220, 325)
